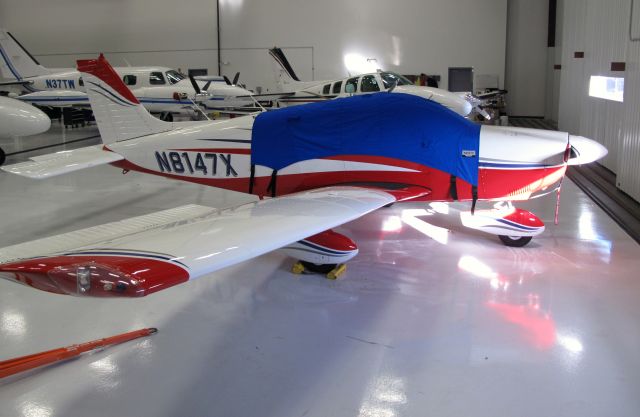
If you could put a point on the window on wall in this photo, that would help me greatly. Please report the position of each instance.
(608, 88)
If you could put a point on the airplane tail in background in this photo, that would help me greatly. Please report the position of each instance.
(15, 61)
(119, 115)
(285, 76)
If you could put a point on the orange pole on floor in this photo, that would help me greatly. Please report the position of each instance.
(25, 363)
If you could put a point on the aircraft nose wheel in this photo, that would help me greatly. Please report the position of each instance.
(515, 241)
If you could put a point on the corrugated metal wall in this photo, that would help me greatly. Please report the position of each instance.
(628, 178)
(600, 29)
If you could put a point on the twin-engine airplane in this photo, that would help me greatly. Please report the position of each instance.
(323, 165)
(296, 92)
(161, 90)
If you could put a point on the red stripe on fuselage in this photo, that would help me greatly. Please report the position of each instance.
(493, 184)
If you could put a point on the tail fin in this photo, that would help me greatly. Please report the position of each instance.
(285, 76)
(118, 113)
(16, 62)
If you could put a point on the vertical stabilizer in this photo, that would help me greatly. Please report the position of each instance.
(16, 63)
(118, 113)
(286, 77)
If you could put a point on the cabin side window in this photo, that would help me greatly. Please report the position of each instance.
(351, 86)
(130, 79)
(336, 87)
(156, 78)
(326, 89)
(369, 84)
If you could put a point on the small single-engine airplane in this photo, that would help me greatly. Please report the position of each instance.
(296, 92)
(161, 90)
(20, 119)
(323, 165)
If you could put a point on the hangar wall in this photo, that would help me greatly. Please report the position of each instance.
(141, 32)
(526, 65)
(601, 31)
(412, 37)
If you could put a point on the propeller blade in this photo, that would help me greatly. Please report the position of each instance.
(194, 84)
(226, 80)
(235, 79)
(483, 113)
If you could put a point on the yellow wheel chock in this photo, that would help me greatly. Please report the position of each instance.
(298, 268)
(337, 271)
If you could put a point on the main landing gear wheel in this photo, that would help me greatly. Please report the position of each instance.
(332, 271)
(515, 241)
(166, 116)
(3, 156)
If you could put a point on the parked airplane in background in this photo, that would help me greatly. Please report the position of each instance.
(161, 90)
(300, 92)
(20, 119)
(324, 164)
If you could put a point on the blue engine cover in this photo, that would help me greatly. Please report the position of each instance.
(393, 125)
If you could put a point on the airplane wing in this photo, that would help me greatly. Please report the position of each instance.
(50, 165)
(142, 255)
(268, 95)
(16, 82)
(490, 94)
(57, 98)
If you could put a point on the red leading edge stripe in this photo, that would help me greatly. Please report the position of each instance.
(109, 275)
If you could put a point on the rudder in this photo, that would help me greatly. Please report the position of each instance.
(119, 115)
(16, 62)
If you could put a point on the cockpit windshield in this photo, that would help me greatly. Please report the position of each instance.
(174, 76)
(390, 78)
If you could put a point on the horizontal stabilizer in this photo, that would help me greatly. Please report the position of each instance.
(45, 166)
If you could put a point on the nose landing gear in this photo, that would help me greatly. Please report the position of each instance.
(515, 227)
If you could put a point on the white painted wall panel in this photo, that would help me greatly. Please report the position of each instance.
(158, 32)
(411, 36)
(605, 41)
(601, 29)
(526, 59)
(628, 178)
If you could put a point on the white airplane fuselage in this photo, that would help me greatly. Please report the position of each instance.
(315, 91)
(514, 163)
(159, 89)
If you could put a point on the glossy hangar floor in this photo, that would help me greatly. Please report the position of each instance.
(430, 318)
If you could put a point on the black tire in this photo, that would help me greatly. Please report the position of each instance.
(167, 117)
(318, 268)
(3, 156)
(515, 241)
